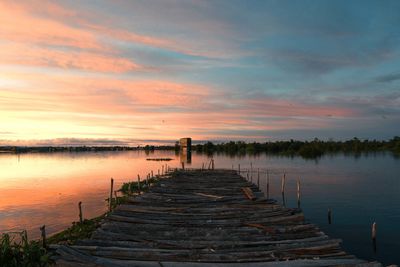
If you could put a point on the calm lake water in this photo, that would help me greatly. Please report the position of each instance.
(39, 189)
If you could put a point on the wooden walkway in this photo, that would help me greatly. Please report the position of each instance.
(206, 218)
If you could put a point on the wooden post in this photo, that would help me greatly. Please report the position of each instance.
(258, 178)
(283, 183)
(80, 212)
(283, 189)
(251, 167)
(373, 234)
(247, 176)
(166, 168)
(147, 180)
(158, 172)
(43, 233)
(152, 175)
(162, 170)
(212, 164)
(239, 168)
(202, 166)
(183, 165)
(298, 193)
(267, 184)
(138, 183)
(111, 195)
(329, 216)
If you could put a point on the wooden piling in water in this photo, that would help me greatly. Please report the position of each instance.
(111, 195)
(43, 235)
(267, 184)
(80, 212)
(212, 164)
(258, 178)
(329, 216)
(239, 168)
(373, 235)
(152, 175)
(138, 184)
(283, 183)
(183, 165)
(298, 193)
(162, 169)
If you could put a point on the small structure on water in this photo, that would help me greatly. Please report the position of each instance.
(185, 145)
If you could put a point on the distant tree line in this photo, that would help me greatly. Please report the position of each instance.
(307, 149)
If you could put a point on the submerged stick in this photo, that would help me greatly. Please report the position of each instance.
(111, 195)
(80, 212)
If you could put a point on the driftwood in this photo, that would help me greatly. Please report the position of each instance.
(211, 218)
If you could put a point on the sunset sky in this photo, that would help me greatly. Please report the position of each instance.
(109, 71)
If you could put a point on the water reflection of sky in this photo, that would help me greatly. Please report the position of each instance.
(41, 189)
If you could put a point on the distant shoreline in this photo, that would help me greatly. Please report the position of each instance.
(306, 149)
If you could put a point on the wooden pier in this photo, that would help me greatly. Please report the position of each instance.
(206, 218)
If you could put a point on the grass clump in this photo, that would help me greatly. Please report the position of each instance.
(76, 232)
(130, 188)
(17, 251)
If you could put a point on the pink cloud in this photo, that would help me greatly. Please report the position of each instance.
(28, 55)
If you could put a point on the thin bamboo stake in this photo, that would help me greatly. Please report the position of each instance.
(138, 176)
(111, 195)
(267, 184)
(80, 211)
(298, 193)
(329, 216)
(43, 234)
(373, 234)
(283, 183)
